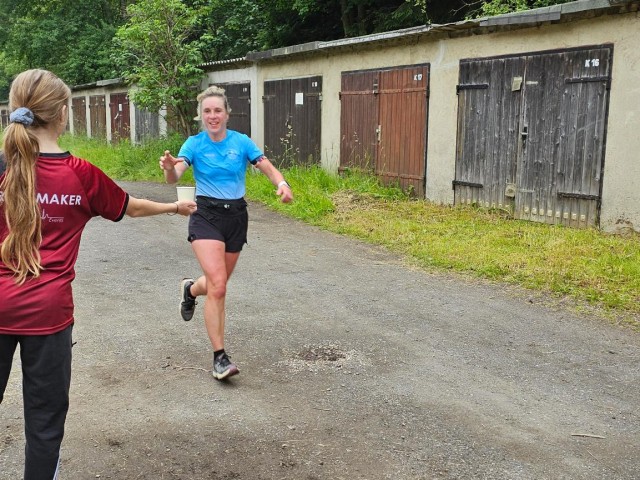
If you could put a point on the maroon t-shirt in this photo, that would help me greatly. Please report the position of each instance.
(70, 192)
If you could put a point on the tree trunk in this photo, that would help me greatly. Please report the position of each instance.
(345, 16)
(362, 27)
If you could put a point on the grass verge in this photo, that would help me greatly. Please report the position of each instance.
(588, 267)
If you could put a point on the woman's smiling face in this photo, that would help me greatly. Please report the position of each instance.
(214, 117)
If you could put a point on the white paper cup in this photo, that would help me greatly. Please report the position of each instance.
(186, 193)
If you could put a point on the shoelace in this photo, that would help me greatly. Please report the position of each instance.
(223, 361)
(188, 301)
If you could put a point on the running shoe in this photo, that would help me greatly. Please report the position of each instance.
(223, 367)
(187, 303)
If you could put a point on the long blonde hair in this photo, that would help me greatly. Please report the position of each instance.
(44, 94)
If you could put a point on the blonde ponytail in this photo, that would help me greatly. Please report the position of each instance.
(42, 95)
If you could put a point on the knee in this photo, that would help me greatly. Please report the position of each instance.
(216, 290)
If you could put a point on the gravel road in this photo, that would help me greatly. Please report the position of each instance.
(353, 366)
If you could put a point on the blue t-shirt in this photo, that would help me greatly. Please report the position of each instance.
(220, 168)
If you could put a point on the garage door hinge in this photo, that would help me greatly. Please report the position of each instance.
(471, 86)
(461, 183)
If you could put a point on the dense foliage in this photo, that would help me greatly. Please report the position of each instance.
(77, 39)
(496, 7)
(69, 37)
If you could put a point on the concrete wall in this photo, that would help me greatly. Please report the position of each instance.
(621, 191)
(621, 194)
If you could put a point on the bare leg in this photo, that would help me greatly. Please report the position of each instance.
(217, 266)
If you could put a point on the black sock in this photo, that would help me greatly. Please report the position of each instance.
(189, 292)
(217, 353)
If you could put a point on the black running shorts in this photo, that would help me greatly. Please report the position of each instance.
(223, 220)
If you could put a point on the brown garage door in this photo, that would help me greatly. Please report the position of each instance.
(79, 117)
(383, 124)
(120, 121)
(98, 113)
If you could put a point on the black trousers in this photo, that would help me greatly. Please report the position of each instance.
(46, 377)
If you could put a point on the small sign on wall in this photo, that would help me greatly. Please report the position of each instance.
(299, 98)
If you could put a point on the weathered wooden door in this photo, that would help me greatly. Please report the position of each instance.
(565, 101)
(292, 116)
(383, 124)
(147, 124)
(359, 113)
(239, 98)
(487, 144)
(79, 117)
(277, 121)
(306, 117)
(98, 116)
(120, 120)
(531, 134)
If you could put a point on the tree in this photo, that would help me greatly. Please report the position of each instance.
(349, 18)
(159, 55)
(239, 26)
(498, 7)
(74, 39)
(230, 29)
(70, 38)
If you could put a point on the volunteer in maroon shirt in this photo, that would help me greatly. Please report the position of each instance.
(47, 196)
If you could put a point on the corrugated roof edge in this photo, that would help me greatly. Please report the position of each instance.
(99, 83)
(230, 61)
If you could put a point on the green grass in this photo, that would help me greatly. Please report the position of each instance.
(586, 267)
(122, 160)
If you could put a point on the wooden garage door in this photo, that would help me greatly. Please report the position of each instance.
(147, 125)
(531, 134)
(292, 115)
(383, 123)
(78, 105)
(4, 118)
(98, 116)
(359, 113)
(120, 119)
(489, 108)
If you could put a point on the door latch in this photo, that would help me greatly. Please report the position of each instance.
(524, 133)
